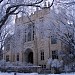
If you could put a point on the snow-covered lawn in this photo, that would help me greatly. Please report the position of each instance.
(19, 73)
(36, 74)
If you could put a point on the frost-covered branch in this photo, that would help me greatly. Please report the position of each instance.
(11, 9)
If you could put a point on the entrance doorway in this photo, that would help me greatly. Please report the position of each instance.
(28, 56)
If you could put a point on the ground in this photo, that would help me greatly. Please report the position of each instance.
(35, 74)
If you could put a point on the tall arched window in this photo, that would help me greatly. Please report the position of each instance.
(25, 36)
(31, 32)
(41, 27)
(8, 47)
(29, 36)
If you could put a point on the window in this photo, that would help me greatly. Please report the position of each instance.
(7, 58)
(41, 27)
(42, 55)
(43, 66)
(17, 57)
(55, 54)
(8, 47)
(25, 36)
(53, 39)
(18, 33)
(33, 32)
(29, 32)
(29, 36)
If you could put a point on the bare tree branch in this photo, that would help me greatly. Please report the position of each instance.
(1, 1)
(9, 10)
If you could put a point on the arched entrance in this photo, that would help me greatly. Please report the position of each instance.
(28, 56)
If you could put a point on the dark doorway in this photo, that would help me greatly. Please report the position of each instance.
(30, 57)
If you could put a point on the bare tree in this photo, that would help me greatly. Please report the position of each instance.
(4, 34)
(11, 8)
(67, 36)
(65, 30)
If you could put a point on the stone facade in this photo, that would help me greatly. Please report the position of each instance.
(32, 41)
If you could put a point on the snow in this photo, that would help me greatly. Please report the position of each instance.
(55, 63)
(36, 74)
(6, 74)
(19, 74)
(27, 74)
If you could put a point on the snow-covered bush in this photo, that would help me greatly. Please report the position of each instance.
(56, 63)
(2, 62)
(9, 64)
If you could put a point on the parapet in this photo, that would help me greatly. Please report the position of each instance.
(34, 16)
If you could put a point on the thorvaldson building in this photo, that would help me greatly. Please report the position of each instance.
(34, 40)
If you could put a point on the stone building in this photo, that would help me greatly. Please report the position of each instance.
(35, 40)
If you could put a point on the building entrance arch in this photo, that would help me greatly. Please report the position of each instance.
(28, 56)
